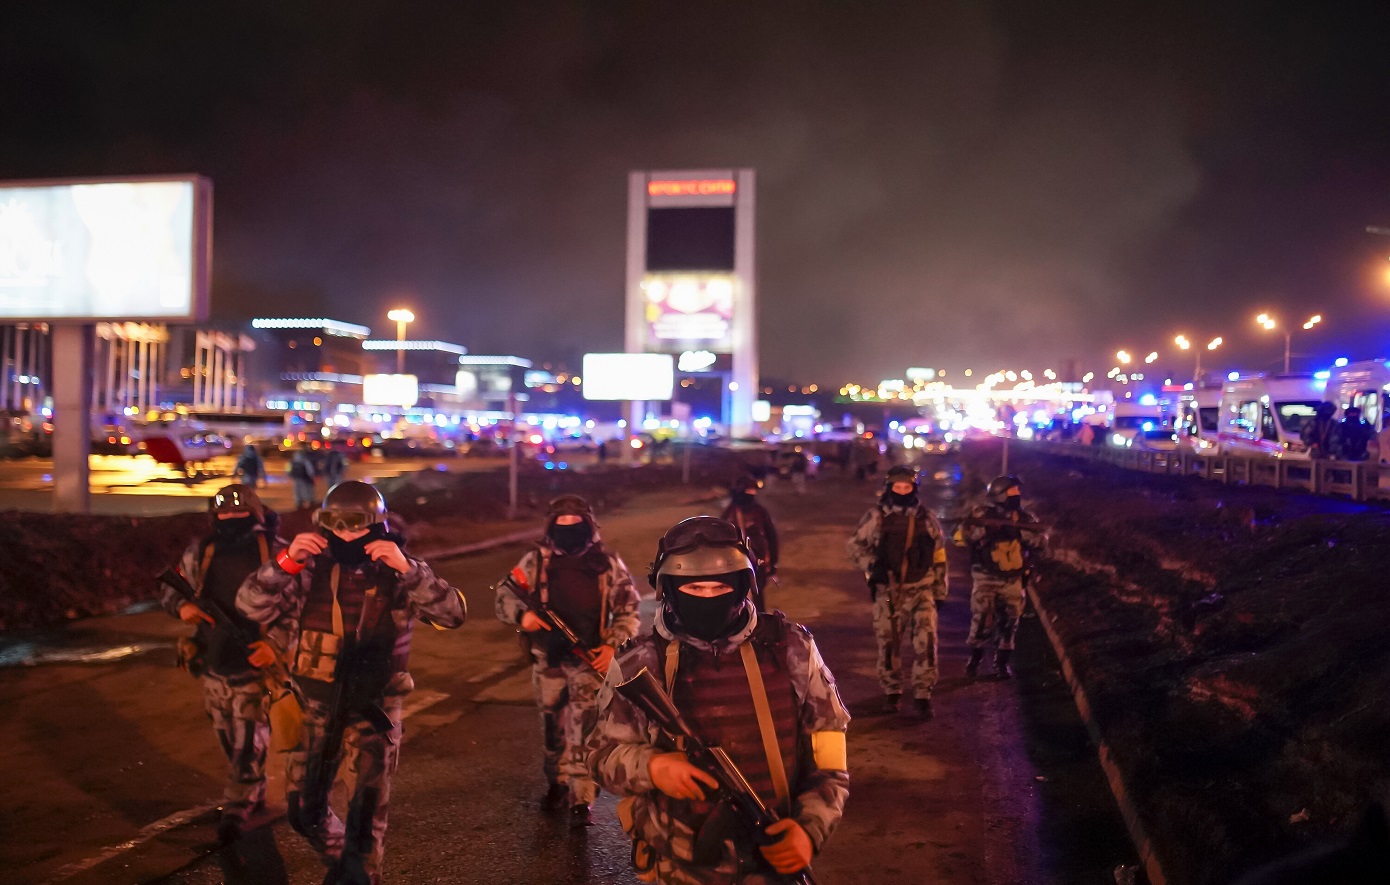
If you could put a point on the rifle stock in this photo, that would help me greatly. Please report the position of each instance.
(646, 694)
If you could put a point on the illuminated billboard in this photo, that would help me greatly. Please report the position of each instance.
(390, 390)
(648, 377)
(120, 249)
(691, 311)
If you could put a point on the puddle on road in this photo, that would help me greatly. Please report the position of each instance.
(21, 653)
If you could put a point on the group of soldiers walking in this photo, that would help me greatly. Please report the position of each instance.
(720, 727)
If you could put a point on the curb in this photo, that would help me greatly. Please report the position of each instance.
(1152, 868)
(482, 546)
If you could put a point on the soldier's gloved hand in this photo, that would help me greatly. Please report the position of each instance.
(307, 544)
(387, 553)
(673, 775)
(603, 656)
(262, 654)
(531, 622)
(790, 853)
(191, 614)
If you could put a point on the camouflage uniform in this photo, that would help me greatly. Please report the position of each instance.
(998, 559)
(276, 599)
(567, 689)
(903, 596)
(235, 697)
(624, 742)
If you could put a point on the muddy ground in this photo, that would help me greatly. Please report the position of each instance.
(1235, 646)
(58, 567)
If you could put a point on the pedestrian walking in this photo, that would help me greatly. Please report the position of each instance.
(302, 473)
(1002, 548)
(350, 594)
(751, 682)
(898, 546)
(334, 466)
(250, 467)
(235, 695)
(573, 575)
(759, 532)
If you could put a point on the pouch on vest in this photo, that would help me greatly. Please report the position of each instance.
(317, 656)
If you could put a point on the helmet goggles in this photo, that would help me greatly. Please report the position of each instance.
(344, 520)
(569, 505)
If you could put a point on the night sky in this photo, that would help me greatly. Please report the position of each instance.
(940, 184)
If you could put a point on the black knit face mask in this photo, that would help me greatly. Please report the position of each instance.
(711, 617)
(896, 500)
(352, 554)
(235, 529)
(571, 538)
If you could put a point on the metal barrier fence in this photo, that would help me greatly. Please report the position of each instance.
(1358, 480)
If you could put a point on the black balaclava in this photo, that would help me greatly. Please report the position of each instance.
(234, 530)
(352, 554)
(893, 499)
(742, 497)
(1013, 502)
(571, 539)
(715, 617)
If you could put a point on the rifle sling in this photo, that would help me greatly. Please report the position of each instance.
(765, 727)
(907, 549)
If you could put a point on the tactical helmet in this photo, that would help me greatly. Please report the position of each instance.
(236, 498)
(350, 506)
(1326, 409)
(900, 473)
(746, 484)
(569, 505)
(1002, 488)
(700, 547)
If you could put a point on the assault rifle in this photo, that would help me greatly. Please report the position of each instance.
(516, 584)
(276, 674)
(647, 695)
(351, 681)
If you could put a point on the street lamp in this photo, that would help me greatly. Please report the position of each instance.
(1122, 356)
(401, 316)
(1269, 324)
(1153, 356)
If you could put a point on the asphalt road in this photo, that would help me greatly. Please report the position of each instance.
(109, 761)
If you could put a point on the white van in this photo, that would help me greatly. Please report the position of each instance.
(1132, 419)
(1264, 414)
(1199, 420)
(1364, 384)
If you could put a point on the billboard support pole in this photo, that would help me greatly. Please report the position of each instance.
(513, 458)
(72, 359)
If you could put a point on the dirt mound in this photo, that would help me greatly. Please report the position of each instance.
(59, 567)
(1232, 642)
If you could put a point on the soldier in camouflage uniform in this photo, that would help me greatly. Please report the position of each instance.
(682, 832)
(234, 691)
(323, 590)
(999, 560)
(898, 546)
(588, 586)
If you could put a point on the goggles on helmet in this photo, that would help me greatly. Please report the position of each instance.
(707, 532)
(344, 520)
(230, 499)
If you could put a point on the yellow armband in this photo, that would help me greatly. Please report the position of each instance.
(828, 750)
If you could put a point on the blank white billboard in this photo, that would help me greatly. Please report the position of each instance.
(648, 377)
(118, 249)
(390, 390)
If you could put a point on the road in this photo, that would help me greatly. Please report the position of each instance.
(1001, 787)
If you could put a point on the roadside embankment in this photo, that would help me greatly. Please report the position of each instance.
(58, 567)
(1232, 644)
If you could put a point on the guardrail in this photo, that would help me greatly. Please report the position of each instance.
(1357, 480)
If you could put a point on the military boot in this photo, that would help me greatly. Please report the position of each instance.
(1001, 664)
(922, 707)
(891, 702)
(976, 655)
(555, 797)
(580, 816)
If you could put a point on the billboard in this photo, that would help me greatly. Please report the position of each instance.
(689, 311)
(648, 377)
(116, 249)
(390, 390)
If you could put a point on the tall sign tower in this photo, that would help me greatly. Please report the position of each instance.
(691, 286)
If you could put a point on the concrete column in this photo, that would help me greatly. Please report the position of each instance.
(72, 360)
